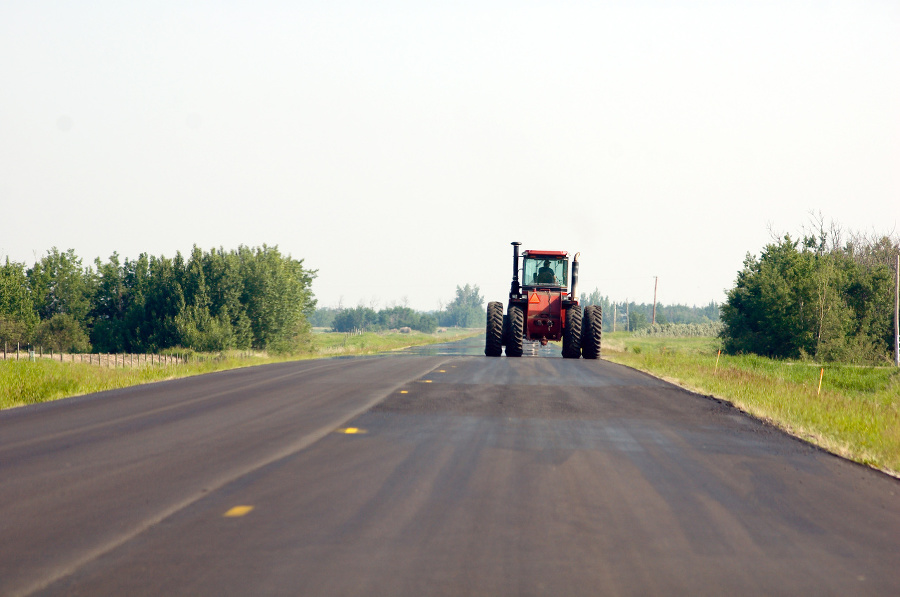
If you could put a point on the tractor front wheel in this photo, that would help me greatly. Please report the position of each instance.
(593, 332)
(571, 348)
(493, 343)
(515, 332)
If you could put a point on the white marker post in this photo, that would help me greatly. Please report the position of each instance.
(897, 316)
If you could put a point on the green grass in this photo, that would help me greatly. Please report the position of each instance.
(326, 344)
(25, 382)
(856, 415)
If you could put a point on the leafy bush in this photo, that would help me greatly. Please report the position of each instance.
(681, 330)
(820, 299)
(63, 334)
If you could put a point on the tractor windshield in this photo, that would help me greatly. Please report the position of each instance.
(541, 271)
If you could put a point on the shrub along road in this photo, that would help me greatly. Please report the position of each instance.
(432, 473)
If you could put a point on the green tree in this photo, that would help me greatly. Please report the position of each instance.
(772, 308)
(62, 333)
(59, 284)
(17, 315)
(278, 298)
(869, 293)
(425, 323)
(198, 327)
(109, 307)
(350, 320)
(399, 317)
(637, 320)
(323, 317)
(199, 330)
(137, 325)
(209, 301)
(818, 298)
(466, 309)
(163, 302)
(594, 298)
(225, 288)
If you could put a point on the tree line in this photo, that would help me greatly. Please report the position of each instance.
(633, 316)
(367, 319)
(465, 310)
(210, 301)
(820, 296)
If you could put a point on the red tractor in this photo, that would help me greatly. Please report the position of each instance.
(542, 309)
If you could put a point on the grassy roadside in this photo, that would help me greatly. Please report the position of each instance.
(856, 415)
(24, 382)
(336, 344)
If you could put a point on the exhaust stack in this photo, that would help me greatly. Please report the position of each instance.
(514, 288)
(573, 294)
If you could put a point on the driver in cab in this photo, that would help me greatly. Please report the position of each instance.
(545, 274)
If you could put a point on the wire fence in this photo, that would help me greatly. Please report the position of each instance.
(110, 360)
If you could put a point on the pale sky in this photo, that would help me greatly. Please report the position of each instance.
(399, 147)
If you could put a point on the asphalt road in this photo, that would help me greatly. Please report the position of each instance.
(430, 473)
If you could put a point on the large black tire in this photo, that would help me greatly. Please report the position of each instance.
(493, 342)
(592, 332)
(571, 348)
(516, 331)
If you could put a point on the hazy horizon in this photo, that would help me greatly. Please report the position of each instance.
(398, 148)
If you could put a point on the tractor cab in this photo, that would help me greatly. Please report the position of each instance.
(545, 270)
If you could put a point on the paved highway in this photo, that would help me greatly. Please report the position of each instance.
(434, 472)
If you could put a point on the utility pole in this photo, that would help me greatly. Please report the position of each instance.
(615, 312)
(655, 284)
(897, 315)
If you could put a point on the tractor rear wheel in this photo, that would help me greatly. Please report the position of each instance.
(493, 343)
(571, 346)
(515, 332)
(593, 332)
(572, 333)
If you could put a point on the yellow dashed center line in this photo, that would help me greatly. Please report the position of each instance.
(238, 511)
(426, 381)
(404, 391)
(351, 430)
